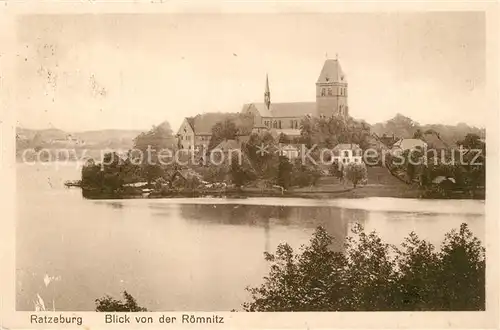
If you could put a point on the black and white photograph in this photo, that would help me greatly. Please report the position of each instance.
(251, 162)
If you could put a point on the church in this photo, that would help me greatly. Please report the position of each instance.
(278, 118)
(331, 99)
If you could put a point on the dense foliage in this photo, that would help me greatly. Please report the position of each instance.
(327, 132)
(373, 276)
(224, 130)
(356, 173)
(157, 138)
(446, 172)
(403, 127)
(109, 304)
(229, 127)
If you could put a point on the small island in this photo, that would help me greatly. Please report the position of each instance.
(265, 165)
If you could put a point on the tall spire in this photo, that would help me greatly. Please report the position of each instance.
(267, 94)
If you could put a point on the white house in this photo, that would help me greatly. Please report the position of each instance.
(346, 153)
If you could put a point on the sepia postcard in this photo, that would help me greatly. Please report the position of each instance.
(249, 165)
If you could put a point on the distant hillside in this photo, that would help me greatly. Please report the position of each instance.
(404, 127)
(109, 134)
(113, 138)
(44, 134)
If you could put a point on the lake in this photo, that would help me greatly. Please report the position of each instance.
(186, 254)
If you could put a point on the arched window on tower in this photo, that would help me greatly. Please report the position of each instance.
(279, 124)
(275, 124)
(330, 92)
(322, 92)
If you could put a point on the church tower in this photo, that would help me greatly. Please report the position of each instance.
(331, 90)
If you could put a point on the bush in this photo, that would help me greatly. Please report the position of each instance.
(355, 172)
(373, 276)
(284, 172)
(303, 175)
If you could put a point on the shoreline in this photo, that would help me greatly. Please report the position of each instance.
(349, 193)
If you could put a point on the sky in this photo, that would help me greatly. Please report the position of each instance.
(126, 71)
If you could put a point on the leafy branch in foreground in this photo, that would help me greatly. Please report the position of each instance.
(109, 304)
(371, 275)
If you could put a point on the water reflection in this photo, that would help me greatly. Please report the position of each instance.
(171, 254)
(335, 220)
(116, 205)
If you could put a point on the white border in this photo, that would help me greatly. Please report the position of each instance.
(9, 318)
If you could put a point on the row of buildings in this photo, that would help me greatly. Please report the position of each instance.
(277, 118)
(284, 118)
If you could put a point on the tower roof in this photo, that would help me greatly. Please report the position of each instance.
(331, 72)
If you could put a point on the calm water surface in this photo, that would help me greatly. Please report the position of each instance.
(186, 254)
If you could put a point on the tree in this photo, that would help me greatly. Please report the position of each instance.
(157, 138)
(355, 172)
(328, 132)
(109, 304)
(240, 174)
(284, 172)
(260, 149)
(224, 130)
(283, 138)
(91, 175)
(374, 276)
(401, 126)
(151, 172)
(471, 141)
(358, 132)
(418, 134)
(304, 174)
(461, 276)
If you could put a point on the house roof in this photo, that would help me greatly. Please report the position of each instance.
(406, 144)
(386, 140)
(260, 107)
(289, 109)
(331, 72)
(202, 124)
(375, 142)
